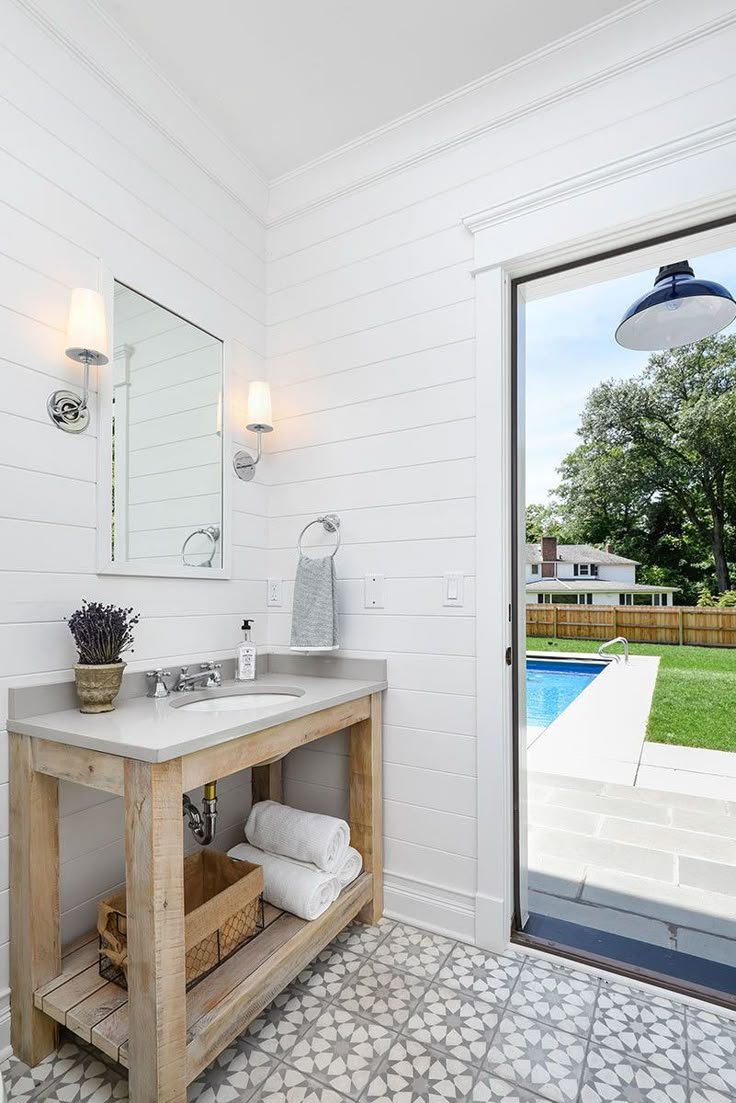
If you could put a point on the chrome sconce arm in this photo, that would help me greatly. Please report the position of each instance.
(87, 344)
(243, 462)
(70, 411)
(259, 422)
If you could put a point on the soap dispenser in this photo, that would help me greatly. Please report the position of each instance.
(245, 670)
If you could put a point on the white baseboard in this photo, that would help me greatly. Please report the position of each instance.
(431, 907)
(492, 923)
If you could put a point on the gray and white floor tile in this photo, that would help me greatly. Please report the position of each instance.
(384, 995)
(415, 1074)
(342, 1050)
(236, 1074)
(711, 1044)
(538, 1058)
(491, 977)
(83, 1077)
(459, 1024)
(284, 1021)
(611, 1076)
(23, 1084)
(288, 1085)
(555, 996)
(362, 939)
(397, 1015)
(324, 976)
(646, 1031)
(491, 1089)
(414, 951)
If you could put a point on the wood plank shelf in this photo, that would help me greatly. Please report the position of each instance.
(222, 1005)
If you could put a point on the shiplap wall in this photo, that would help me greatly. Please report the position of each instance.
(372, 359)
(86, 177)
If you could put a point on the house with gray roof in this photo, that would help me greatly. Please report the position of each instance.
(580, 574)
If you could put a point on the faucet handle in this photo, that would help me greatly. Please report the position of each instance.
(159, 688)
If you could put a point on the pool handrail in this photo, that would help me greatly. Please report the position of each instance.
(616, 639)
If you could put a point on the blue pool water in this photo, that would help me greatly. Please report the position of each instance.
(553, 684)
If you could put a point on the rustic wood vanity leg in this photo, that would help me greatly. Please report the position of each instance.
(366, 808)
(154, 856)
(266, 782)
(34, 899)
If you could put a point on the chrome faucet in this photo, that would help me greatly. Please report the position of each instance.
(208, 675)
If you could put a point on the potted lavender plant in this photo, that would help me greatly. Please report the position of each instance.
(102, 634)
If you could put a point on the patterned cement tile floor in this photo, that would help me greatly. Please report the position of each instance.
(391, 1013)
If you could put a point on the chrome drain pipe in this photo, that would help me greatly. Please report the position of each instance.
(202, 824)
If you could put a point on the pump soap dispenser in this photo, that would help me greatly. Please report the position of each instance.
(246, 656)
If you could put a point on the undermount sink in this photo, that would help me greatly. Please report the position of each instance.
(240, 699)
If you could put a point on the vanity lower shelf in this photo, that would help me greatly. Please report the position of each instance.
(221, 1005)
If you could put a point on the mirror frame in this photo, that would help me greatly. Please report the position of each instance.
(105, 563)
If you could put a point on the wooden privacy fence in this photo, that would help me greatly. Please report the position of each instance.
(678, 624)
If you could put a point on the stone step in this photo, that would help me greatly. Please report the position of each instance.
(605, 853)
(679, 905)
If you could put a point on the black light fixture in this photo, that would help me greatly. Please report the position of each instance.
(678, 310)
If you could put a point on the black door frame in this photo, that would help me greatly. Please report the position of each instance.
(518, 935)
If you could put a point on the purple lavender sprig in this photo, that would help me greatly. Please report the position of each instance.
(102, 633)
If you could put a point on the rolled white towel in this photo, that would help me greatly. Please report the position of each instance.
(291, 886)
(322, 841)
(350, 868)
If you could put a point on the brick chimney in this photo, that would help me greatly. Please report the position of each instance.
(549, 557)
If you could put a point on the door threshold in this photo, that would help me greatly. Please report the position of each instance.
(628, 958)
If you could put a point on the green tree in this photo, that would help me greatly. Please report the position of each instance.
(656, 470)
(544, 520)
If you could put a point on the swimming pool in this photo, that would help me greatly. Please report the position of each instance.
(553, 684)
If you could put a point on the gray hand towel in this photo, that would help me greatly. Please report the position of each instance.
(314, 616)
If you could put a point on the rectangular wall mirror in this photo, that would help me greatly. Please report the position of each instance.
(161, 442)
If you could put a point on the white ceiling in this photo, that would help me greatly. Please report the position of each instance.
(289, 80)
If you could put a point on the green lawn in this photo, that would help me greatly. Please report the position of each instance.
(695, 696)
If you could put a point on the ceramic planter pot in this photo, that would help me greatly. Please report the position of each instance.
(98, 686)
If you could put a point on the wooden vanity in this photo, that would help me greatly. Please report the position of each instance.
(162, 1034)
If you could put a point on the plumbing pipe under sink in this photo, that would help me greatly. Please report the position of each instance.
(202, 825)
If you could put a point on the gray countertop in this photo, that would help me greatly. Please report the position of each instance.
(154, 730)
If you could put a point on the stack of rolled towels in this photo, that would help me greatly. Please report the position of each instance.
(307, 859)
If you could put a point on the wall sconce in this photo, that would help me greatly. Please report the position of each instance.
(86, 341)
(259, 421)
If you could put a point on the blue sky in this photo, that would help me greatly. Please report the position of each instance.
(570, 347)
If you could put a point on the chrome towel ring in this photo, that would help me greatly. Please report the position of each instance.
(211, 531)
(330, 522)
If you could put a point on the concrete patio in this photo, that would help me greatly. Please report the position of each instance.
(632, 838)
(656, 866)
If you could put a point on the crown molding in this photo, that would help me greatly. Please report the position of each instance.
(530, 107)
(89, 63)
(519, 64)
(697, 142)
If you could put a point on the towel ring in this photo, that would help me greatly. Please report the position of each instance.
(211, 531)
(330, 523)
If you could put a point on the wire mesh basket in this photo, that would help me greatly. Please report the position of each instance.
(223, 910)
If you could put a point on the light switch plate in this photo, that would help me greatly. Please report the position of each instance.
(453, 588)
(275, 592)
(373, 591)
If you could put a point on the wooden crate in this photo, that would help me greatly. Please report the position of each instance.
(223, 909)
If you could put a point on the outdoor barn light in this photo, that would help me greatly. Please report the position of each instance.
(677, 311)
(86, 342)
(259, 422)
